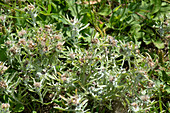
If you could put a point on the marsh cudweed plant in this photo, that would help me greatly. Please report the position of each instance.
(93, 71)
(45, 63)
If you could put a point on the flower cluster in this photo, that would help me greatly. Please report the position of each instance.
(2, 69)
(5, 105)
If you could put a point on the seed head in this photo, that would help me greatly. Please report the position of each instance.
(43, 38)
(63, 78)
(94, 83)
(26, 78)
(8, 42)
(43, 43)
(129, 95)
(59, 45)
(110, 38)
(2, 17)
(134, 104)
(150, 84)
(82, 60)
(47, 26)
(45, 49)
(37, 84)
(31, 44)
(138, 51)
(136, 47)
(129, 46)
(3, 84)
(5, 105)
(70, 70)
(111, 78)
(31, 7)
(72, 55)
(144, 98)
(89, 56)
(22, 41)
(40, 29)
(57, 37)
(94, 41)
(13, 49)
(151, 64)
(22, 32)
(51, 95)
(125, 45)
(114, 42)
(2, 69)
(74, 100)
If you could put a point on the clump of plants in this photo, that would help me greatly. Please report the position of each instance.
(59, 57)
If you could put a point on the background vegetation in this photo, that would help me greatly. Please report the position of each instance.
(84, 56)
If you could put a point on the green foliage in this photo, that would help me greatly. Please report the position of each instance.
(84, 56)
